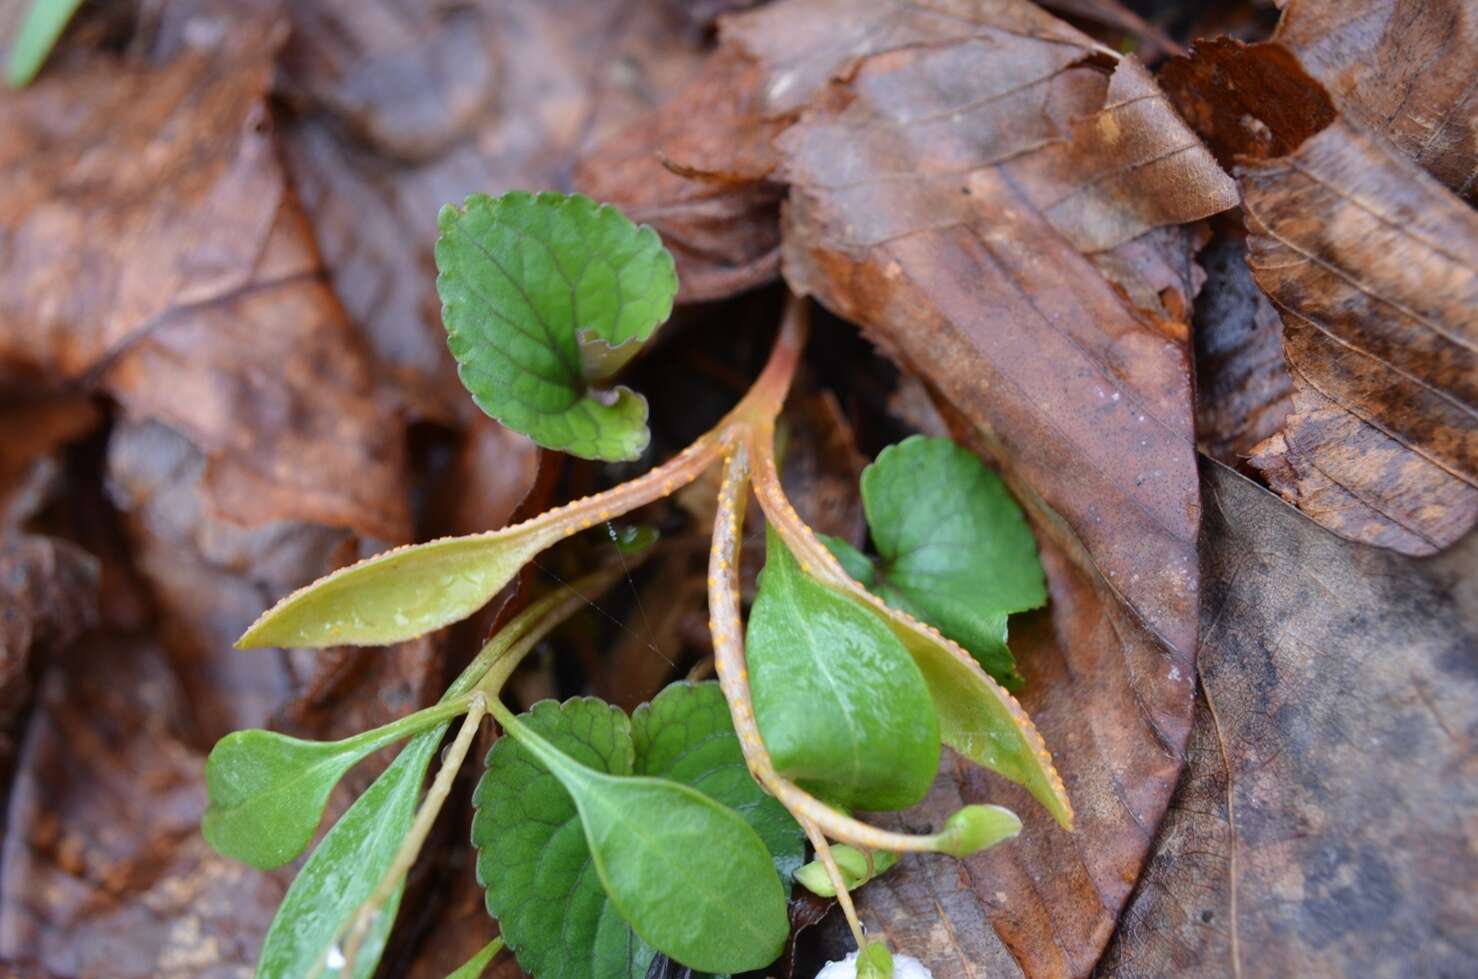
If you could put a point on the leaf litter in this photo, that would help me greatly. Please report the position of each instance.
(1037, 269)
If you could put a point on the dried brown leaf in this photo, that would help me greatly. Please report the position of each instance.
(1404, 68)
(1319, 828)
(404, 109)
(1370, 263)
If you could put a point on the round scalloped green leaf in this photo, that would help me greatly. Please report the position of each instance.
(532, 856)
(543, 297)
(842, 706)
(955, 549)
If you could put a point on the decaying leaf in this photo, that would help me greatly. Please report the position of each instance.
(1320, 828)
(48, 597)
(105, 871)
(405, 109)
(1243, 388)
(1371, 264)
(1402, 67)
(153, 247)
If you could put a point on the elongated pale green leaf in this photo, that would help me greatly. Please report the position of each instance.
(268, 791)
(535, 857)
(38, 34)
(955, 548)
(543, 297)
(841, 704)
(400, 594)
(344, 869)
(474, 967)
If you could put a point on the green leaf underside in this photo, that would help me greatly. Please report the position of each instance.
(38, 34)
(543, 294)
(344, 869)
(842, 706)
(398, 595)
(955, 549)
(268, 791)
(535, 860)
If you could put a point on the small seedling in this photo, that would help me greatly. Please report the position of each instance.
(604, 839)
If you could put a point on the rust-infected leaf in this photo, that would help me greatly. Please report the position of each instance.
(1319, 828)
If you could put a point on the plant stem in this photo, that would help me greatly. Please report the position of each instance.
(761, 403)
(838, 882)
(484, 677)
(425, 816)
(733, 676)
(410, 847)
(474, 967)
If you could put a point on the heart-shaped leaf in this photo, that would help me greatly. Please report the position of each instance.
(955, 550)
(535, 858)
(268, 791)
(545, 296)
(842, 706)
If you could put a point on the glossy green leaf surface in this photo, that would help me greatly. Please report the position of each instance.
(954, 548)
(344, 869)
(544, 297)
(536, 860)
(38, 34)
(268, 791)
(685, 734)
(842, 706)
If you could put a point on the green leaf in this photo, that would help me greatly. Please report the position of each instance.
(543, 297)
(842, 706)
(535, 857)
(875, 962)
(268, 791)
(344, 869)
(400, 594)
(38, 34)
(955, 548)
(474, 967)
(685, 734)
(853, 865)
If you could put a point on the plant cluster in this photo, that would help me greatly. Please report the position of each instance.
(605, 839)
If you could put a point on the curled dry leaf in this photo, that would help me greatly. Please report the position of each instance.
(1370, 263)
(962, 177)
(1243, 388)
(48, 597)
(1320, 826)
